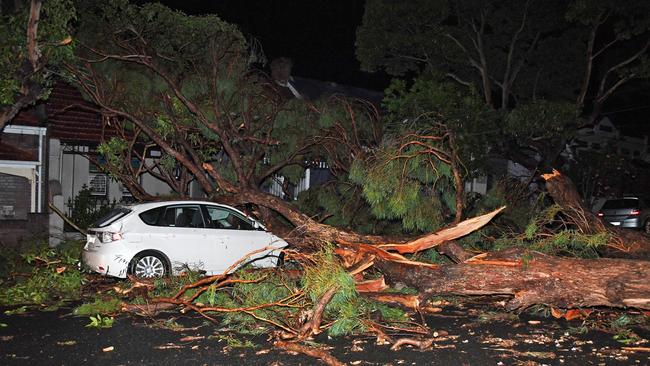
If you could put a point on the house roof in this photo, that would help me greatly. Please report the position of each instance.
(314, 89)
(73, 120)
(27, 118)
(70, 117)
(10, 152)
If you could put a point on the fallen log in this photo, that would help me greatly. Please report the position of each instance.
(450, 233)
(318, 353)
(531, 278)
(622, 242)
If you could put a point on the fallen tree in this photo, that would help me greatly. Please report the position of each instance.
(531, 278)
(622, 242)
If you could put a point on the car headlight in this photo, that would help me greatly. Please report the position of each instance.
(108, 237)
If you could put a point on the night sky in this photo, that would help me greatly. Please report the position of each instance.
(318, 36)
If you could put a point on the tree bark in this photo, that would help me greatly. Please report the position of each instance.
(532, 278)
(622, 242)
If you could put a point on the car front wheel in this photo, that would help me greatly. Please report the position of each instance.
(646, 227)
(149, 265)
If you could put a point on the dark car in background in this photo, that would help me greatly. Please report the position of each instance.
(628, 212)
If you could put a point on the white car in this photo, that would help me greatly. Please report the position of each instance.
(164, 238)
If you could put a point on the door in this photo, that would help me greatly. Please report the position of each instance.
(179, 232)
(239, 236)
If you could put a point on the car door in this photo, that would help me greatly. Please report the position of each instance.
(179, 233)
(239, 237)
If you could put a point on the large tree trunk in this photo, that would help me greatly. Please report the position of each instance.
(531, 278)
(622, 242)
(306, 228)
(30, 91)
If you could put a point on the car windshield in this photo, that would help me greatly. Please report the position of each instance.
(621, 203)
(112, 216)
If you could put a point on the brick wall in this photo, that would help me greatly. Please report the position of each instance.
(14, 232)
(15, 191)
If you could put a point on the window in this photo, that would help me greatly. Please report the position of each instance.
(595, 146)
(621, 204)
(221, 218)
(174, 216)
(151, 217)
(97, 179)
(625, 151)
(112, 216)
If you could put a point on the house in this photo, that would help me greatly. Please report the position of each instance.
(605, 137)
(23, 182)
(43, 159)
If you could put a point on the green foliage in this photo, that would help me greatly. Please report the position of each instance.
(113, 151)
(506, 53)
(100, 322)
(18, 310)
(342, 205)
(84, 210)
(522, 205)
(233, 342)
(443, 35)
(346, 312)
(622, 327)
(547, 233)
(391, 31)
(101, 305)
(48, 275)
(438, 35)
(430, 125)
(198, 95)
(393, 190)
(268, 287)
(540, 119)
(53, 28)
(345, 308)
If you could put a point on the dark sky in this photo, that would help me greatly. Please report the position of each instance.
(318, 36)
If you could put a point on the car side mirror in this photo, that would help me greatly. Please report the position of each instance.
(257, 225)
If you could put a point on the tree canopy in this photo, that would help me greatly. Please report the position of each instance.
(34, 41)
(512, 51)
(203, 101)
(545, 68)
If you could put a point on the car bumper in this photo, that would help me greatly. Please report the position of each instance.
(634, 223)
(109, 262)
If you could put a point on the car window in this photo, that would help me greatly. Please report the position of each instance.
(150, 217)
(621, 203)
(222, 218)
(174, 216)
(110, 217)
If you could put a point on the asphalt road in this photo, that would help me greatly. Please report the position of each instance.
(57, 338)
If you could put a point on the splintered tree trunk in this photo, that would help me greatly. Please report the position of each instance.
(306, 227)
(623, 242)
(532, 279)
